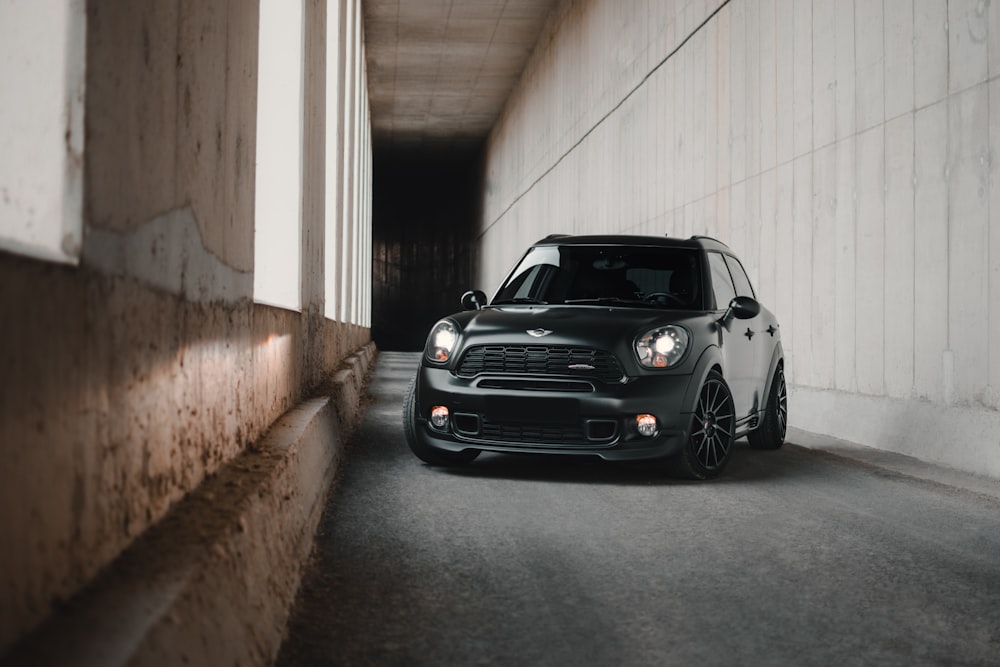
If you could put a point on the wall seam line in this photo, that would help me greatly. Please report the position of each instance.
(603, 118)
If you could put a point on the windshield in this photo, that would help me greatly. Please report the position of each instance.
(643, 276)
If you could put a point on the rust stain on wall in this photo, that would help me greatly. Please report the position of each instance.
(116, 401)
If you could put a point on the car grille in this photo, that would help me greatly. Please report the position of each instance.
(539, 360)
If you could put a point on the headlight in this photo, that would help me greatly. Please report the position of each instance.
(661, 348)
(441, 342)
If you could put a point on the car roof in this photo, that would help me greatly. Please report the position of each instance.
(696, 242)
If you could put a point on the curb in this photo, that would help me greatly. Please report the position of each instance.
(213, 583)
(896, 463)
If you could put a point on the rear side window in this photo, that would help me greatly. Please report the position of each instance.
(743, 286)
(722, 283)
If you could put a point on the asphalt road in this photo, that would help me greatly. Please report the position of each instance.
(793, 557)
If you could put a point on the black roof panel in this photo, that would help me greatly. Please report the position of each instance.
(625, 239)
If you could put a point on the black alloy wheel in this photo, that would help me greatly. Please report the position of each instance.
(713, 427)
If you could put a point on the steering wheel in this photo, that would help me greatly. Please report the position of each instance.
(660, 297)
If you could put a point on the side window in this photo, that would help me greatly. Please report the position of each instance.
(743, 286)
(722, 283)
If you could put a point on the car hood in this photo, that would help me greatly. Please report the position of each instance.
(602, 327)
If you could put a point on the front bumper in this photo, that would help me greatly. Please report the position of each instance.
(547, 415)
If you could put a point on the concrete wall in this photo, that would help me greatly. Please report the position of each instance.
(41, 85)
(848, 151)
(130, 379)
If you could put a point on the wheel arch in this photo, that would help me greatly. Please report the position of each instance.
(777, 358)
(711, 359)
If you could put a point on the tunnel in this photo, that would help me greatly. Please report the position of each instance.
(215, 216)
(425, 202)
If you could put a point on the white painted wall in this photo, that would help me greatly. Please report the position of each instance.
(41, 127)
(278, 201)
(280, 177)
(348, 168)
(336, 97)
(848, 151)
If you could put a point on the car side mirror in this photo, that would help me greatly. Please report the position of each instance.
(474, 300)
(742, 308)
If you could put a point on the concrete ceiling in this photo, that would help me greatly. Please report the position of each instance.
(439, 71)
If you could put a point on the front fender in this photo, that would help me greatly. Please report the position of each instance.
(710, 358)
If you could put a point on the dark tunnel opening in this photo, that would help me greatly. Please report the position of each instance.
(425, 208)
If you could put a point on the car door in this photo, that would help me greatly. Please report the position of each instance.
(757, 333)
(736, 338)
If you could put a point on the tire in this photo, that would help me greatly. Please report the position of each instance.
(770, 432)
(713, 425)
(429, 455)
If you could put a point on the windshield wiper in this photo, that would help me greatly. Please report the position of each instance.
(521, 299)
(610, 299)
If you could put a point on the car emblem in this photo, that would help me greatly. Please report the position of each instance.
(538, 333)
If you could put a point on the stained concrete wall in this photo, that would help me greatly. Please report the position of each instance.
(131, 379)
(846, 150)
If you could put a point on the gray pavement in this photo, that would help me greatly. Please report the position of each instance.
(794, 557)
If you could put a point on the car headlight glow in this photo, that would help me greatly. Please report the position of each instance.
(663, 347)
(440, 416)
(441, 341)
(646, 425)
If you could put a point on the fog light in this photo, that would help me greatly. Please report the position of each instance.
(646, 425)
(439, 416)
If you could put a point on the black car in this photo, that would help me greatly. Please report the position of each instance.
(624, 347)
